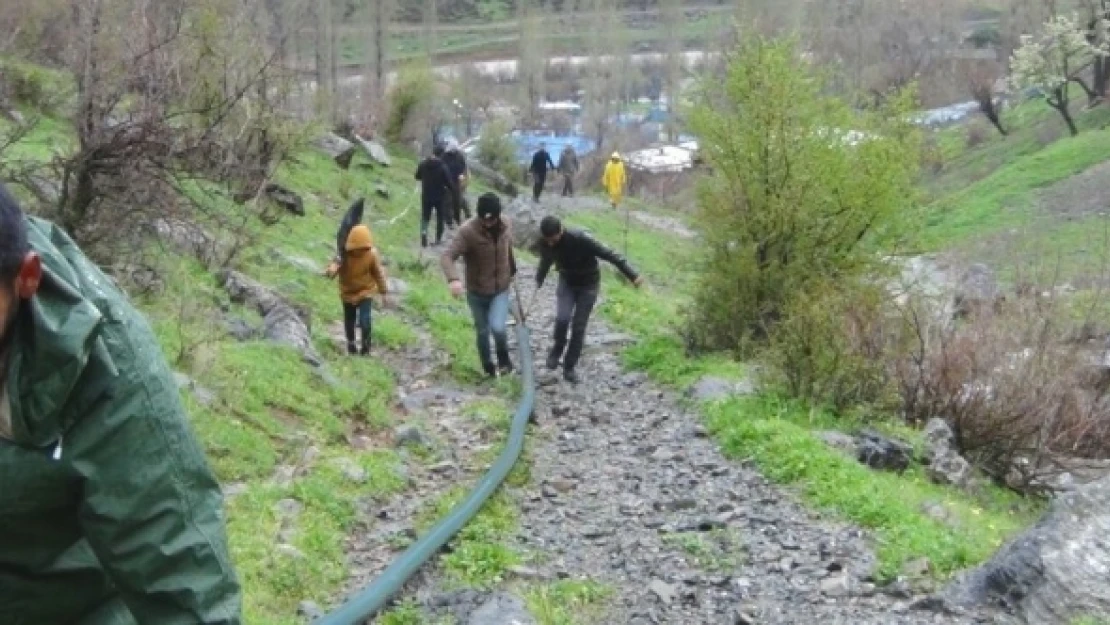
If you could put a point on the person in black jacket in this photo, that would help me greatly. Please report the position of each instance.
(540, 162)
(456, 164)
(575, 254)
(436, 186)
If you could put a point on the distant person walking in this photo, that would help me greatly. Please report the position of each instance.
(614, 179)
(486, 246)
(575, 255)
(540, 162)
(456, 164)
(568, 167)
(436, 186)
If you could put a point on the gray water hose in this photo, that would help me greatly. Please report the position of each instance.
(374, 597)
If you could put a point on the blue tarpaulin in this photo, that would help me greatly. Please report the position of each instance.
(529, 141)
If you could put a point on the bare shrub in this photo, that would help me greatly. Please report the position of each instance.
(1020, 396)
(173, 113)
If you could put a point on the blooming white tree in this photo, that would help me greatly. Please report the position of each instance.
(1055, 58)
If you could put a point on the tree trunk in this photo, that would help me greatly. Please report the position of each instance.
(1092, 97)
(1060, 103)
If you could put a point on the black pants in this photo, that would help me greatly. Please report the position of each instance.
(537, 186)
(362, 313)
(568, 185)
(572, 312)
(457, 208)
(427, 205)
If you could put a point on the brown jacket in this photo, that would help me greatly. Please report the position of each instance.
(490, 265)
(360, 275)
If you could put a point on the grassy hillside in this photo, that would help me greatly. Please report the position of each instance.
(308, 458)
(1019, 202)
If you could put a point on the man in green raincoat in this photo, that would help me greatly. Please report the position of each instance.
(109, 514)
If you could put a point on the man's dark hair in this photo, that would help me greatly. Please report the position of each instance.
(550, 226)
(13, 236)
(437, 151)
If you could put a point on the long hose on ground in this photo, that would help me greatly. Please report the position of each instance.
(374, 597)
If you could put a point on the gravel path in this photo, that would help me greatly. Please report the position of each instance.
(628, 490)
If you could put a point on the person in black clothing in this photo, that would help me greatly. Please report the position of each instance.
(456, 164)
(575, 254)
(436, 186)
(540, 162)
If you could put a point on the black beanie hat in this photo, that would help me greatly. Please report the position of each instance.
(489, 205)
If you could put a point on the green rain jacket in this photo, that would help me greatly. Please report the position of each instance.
(109, 514)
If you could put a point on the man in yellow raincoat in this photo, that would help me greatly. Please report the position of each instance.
(614, 179)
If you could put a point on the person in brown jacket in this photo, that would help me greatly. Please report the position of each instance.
(360, 278)
(485, 244)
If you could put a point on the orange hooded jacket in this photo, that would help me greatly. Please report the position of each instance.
(360, 275)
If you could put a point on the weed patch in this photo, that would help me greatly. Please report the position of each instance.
(477, 557)
(567, 602)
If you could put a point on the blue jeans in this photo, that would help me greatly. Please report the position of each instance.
(491, 313)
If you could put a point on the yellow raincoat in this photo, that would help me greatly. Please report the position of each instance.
(360, 275)
(614, 179)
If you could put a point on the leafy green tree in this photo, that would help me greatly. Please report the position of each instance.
(804, 191)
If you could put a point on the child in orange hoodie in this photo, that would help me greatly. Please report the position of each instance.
(360, 278)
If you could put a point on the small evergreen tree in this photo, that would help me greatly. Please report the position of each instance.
(804, 190)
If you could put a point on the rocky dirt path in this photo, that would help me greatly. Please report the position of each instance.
(628, 490)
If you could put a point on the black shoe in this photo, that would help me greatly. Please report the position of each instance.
(351, 350)
(570, 375)
(489, 369)
(365, 351)
(552, 362)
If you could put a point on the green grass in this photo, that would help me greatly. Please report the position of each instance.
(1004, 199)
(779, 437)
(478, 557)
(567, 602)
(716, 551)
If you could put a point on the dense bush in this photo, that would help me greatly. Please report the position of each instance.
(833, 347)
(497, 151)
(805, 190)
(411, 105)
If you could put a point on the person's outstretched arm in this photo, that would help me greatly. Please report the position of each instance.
(546, 260)
(419, 171)
(151, 508)
(610, 256)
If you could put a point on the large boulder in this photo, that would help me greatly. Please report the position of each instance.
(338, 148)
(525, 220)
(375, 151)
(282, 322)
(882, 452)
(285, 198)
(492, 178)
(944, 463)
(1054, 573)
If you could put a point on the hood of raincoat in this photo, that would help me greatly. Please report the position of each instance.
(360, 238)
(57, 338)
(616, 156)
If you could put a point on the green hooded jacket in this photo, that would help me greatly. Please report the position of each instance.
(109, 514)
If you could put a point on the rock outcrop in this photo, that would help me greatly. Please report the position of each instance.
(1056, 572)
(282, 322)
